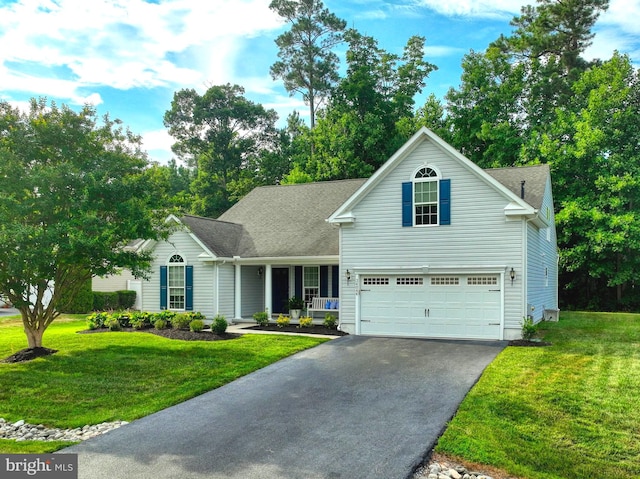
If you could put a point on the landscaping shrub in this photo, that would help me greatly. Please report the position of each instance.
(123, 317)
(81, 304)
(140, 320)
(219, 324)
(195, 315)
(283, 321)
(96, 320)
(262, 318)
(126, 299)
(160, 324)
(181, 321)
(196, 325)
(528, 328)
(330, 321)
(166, 315)
(113, 324)
(306, 322)
(105, 301)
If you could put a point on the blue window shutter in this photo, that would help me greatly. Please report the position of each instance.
(445, 202)
(298, 282)
(324, 281)
(188, 276)
(335, 281)
(407, 204)
(163, 287)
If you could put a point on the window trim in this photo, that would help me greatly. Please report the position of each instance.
(174, 265)
(433, 177)
(443, 194)
(307, 298)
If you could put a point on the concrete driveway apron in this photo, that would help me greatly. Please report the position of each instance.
(353, 407)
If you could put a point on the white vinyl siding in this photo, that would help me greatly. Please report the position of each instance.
(542, 259)
(479, 234)
(116, 282)
(252, 291)
(226, 288)
(181, 243)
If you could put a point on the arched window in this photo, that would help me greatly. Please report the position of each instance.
(425, 196)
(426, 199)
(176, 282)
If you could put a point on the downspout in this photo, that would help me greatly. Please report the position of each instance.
(237, 296)
(357, 304)
(217, 291)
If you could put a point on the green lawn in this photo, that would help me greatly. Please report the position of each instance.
(570, 410)
(109, 376)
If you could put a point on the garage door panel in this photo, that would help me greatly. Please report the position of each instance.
(456, 306)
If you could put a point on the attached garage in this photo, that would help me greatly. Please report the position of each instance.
(456, 306)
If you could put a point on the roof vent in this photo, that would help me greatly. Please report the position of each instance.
(522, 189)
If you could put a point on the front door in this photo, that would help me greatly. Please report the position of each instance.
(280, 296)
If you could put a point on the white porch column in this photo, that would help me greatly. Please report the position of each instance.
(268, 289)
(238, 293)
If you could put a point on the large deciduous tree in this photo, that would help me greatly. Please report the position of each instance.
(222, 135)
(510, 92)
(307, 63)
(593, 149)
(73, 194)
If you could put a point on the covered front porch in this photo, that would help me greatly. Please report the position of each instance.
(269, 286)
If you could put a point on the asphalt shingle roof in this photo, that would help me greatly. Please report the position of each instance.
(222, 238)
(289, 220)
(535, 178)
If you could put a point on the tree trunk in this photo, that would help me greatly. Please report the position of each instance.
(34, 337)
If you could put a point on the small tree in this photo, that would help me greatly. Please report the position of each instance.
(73, 194)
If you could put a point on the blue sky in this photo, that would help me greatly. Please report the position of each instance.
(128, 57)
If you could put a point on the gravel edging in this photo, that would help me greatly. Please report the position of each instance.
(23, 431)
(440, 466)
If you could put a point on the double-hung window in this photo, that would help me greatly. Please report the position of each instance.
(311, 283)
(425, 197)
(176, 282)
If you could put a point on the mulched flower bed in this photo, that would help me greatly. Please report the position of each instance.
(292, 328)
(170, 333)
(28, 354)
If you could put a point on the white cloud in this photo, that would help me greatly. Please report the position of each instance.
(158, 143)
(617, 29)
(438, 51)
(475, 8)
(123, 43)
(50, 87)
(157, 140)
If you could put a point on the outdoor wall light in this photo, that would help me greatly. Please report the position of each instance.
(512, 275)
(260, 272)
(348, 276)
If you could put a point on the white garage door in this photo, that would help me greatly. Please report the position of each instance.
(445, 306)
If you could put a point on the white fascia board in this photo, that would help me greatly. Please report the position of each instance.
(173, 218)
(147, 245)
(516, 211)
(207, 252)
(340, 220)
(289, 260)
(430, 269)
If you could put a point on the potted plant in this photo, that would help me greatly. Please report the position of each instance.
(296, 305)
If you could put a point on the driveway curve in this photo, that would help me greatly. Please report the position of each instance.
(353, 407)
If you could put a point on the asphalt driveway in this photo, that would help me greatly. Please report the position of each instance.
(353, 407)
